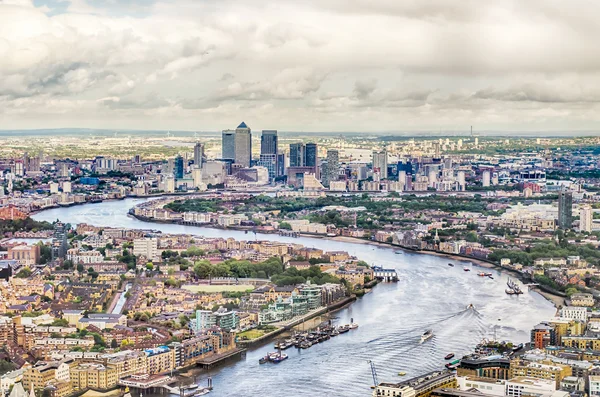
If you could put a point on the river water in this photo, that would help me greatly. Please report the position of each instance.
(429, 295)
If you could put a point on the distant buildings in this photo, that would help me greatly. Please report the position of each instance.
(586, 218)
(228, 145)
(243, 145)
(332, 167)
(199, 154)
(380, 164)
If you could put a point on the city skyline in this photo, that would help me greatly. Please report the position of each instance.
(423, 66)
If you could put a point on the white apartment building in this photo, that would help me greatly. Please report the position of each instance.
(522, 385)
(85, 257)
(594, 385)
(574, 313)
(146, 247)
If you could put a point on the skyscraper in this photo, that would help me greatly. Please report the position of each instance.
(311, 155)
(380, 164)
(199, 154)
(60, 242)
(586, 219)
(297, 154)
(179, 169)
(565, 209)
(243, 145)
(332, 167)
(228, 144)
(268, 142)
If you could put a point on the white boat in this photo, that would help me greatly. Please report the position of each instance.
(426, 336)
(353, 326)
(202, 392)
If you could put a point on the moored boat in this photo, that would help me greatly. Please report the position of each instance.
(449, 356)
(466, 269)
(451, 264)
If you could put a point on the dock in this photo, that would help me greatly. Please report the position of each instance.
(214, 360)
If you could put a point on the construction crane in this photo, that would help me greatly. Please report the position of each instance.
(373, 373)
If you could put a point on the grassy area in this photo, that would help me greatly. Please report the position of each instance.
(219, 288)
(255, 333)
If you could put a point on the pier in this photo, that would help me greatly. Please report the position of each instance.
(217, 359)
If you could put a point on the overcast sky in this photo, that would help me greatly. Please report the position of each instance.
(302, 65)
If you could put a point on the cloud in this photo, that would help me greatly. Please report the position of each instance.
(326, 64)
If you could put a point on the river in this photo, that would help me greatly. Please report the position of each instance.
(430, 294)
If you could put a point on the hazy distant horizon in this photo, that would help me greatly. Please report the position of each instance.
(290, 134)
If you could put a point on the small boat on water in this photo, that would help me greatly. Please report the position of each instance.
(202, 392)
(518, 347)
(482, 274)
(453, 364)
(510, 291)
(342, 329)
(449, 356)
(278, 357)
(466, 269)
(451, 264)
(399, 252)
(426, 336)
(401, 373)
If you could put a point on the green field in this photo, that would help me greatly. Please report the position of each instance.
(255, 333)
(219, 288)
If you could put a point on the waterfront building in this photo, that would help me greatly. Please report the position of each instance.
(489, 367)
(284, 309)
(268, 142)
(543, 335)
(565, 209)
(127, 362)
(221, 318)
(586, 219)
(228, 145)
(380, 164)
(582, 299)
(312, 293)
(160, 359)
(93, 376)
(574, 312)
(243, 145)
(422, 386)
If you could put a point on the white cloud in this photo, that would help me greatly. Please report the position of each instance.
(327, 64)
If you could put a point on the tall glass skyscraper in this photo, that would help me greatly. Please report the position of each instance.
(297, 154)
(228, 145)
(243, 145)
(311, 155)
(565, 209)
(179, 169)
(268, 142)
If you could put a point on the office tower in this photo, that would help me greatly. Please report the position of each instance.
(432, 177)
(199, 154)
(586, 219)
(311, 157)
(486, 178)
(19, 168)
(565, 209)
(280, 164)
(137, 159)
(243, 145)
(228, 144)
(268, 142)
(332, 167)
(297, 154)
(380, 164)
(269, 161)
(60, 243)
(179, 169)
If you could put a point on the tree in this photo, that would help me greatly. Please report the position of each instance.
(285, 226)
(80, 268)
(150, 266)
(202, 268)
(24, 273)
(114, 344)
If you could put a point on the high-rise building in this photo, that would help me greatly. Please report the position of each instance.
(280, 164)
(380, 164)
(268, 142)
(332, 167)
(586, 219)
(243, 145)
(269, 161)
(565, 209)
(297, 154)
(60, 242)
(199, 154)
(460, 179)
(486, 178)
(311, 155)
(228, 144)
(179, 169)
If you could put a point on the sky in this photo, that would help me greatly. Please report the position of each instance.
(301, 65)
